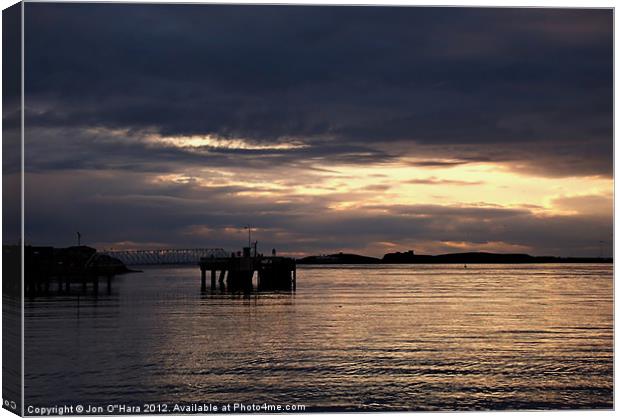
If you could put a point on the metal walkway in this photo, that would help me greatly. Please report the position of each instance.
(165, 256)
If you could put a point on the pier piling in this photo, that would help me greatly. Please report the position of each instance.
(203, 278)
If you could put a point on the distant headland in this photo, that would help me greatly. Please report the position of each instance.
(409, 257)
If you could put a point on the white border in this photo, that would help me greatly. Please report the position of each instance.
(23, 188)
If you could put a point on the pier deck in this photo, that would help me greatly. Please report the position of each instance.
(237, 272)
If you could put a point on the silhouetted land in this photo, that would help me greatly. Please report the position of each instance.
(410, 257)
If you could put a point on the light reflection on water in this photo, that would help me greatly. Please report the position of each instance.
(351, 338)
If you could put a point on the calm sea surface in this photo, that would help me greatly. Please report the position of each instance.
(406, 337)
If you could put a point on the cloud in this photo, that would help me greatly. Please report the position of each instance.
(364, 78)
(436, 181)
(181, 123)
(185, 214)
(593, 205)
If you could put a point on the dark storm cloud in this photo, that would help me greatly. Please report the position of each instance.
(350, 82)
(73, 148)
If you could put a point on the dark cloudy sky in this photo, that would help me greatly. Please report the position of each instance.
(365, 129)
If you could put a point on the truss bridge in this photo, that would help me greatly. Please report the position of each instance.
(165, 256)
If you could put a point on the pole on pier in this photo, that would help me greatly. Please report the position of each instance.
(212, 278)
(294, 278)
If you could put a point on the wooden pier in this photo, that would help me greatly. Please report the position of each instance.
(236, 273)
(80, 266)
